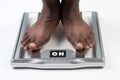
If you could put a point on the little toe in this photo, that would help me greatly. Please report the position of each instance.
(90, 44)
(86, 46)
(23, 42)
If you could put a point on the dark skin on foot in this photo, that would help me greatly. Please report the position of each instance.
(40, 32)
(78, 32)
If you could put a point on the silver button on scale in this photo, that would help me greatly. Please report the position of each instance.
(58, 53)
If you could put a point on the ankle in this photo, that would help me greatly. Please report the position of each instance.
(50, 13)
(70, 9)
(70, 2)
(50, 8)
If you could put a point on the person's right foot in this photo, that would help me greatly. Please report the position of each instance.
(40, 32)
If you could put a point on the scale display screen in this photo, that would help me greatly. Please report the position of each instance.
(58, 53)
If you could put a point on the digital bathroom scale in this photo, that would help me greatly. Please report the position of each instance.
(58, 53)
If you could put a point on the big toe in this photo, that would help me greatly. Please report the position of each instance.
(79, 46)
(33, 46)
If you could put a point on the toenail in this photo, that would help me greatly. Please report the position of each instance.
(79, 46)
(32, 45)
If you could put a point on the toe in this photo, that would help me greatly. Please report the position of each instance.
(24, 38)
(32, 46)
(25, 43)
(92, 37)
(79, 46)
(88, 42)
(87, 47)
(92, 40)
(27, 46)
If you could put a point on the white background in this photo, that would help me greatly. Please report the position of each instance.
(10, 16)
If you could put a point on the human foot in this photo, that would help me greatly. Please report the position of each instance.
(78, 32)
(40, 32)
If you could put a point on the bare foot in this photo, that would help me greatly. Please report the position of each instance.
(40, 32)
(78, 32)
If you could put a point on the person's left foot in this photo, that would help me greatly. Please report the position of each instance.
(78, 32)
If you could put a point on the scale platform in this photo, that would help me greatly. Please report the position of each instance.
(58, 53)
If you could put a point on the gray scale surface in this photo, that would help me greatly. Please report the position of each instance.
(73, 59)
